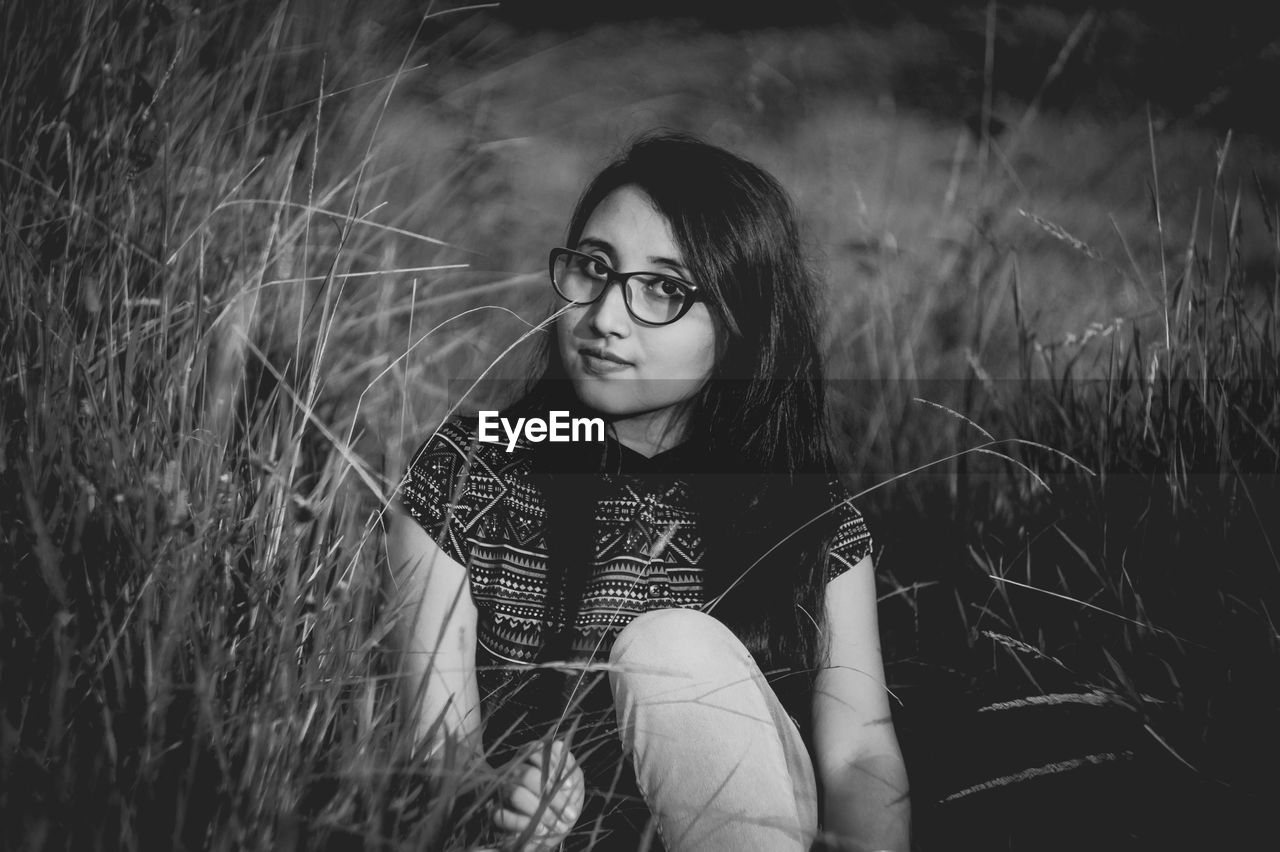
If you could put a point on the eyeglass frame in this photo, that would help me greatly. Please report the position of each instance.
(621, 278)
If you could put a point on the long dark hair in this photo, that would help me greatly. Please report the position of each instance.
(761, 420)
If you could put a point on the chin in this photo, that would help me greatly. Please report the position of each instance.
(603, 397)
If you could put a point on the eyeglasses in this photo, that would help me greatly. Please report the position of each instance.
(651, 297)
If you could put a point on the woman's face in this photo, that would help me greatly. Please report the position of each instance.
(662, 366)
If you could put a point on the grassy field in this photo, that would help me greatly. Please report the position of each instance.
(250, 257)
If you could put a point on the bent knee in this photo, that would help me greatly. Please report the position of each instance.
(666, 636)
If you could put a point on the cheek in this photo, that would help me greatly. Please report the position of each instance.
(693, 354)
(564, 330)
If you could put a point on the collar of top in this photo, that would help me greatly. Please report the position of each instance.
(682, 458)
(614, 458)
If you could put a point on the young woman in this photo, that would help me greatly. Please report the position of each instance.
(598, 618)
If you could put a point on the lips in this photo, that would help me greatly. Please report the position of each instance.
(597, 362)
(588, 351)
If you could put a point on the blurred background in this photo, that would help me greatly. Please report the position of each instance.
(253, 253)
(902, 129)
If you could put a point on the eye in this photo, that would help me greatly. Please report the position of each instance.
(595, 267)
(663, 288)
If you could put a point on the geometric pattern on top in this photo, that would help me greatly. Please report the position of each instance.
(481, 505)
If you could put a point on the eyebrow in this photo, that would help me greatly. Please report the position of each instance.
(604, 245)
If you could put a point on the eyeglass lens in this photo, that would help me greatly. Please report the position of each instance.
(650, 296)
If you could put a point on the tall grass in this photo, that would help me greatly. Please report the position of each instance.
(190, 618)
(217, 349)
(1127, 578)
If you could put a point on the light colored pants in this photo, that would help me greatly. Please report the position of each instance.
(718, 760)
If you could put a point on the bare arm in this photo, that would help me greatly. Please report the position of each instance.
(857, 754)
(435, 630)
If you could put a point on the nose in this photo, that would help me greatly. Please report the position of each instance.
(609, 313)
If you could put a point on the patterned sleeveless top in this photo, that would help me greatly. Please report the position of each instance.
(486, 510)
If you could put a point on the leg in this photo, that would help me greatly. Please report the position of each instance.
(717, 758)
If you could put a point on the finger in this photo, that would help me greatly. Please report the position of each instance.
(522, 800)
(573, 788)
(554, 817)
(578, 795)
(508, 820)
(570, 789)
(567, 791)
(556, 759)
(530, 778)
(573, 809)
(554, 777)
(512, 822)
(553, 756)
(518, 824)
(565, 803)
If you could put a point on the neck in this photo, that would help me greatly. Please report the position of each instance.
(652, 432)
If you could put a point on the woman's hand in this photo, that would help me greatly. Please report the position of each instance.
(546, 774)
